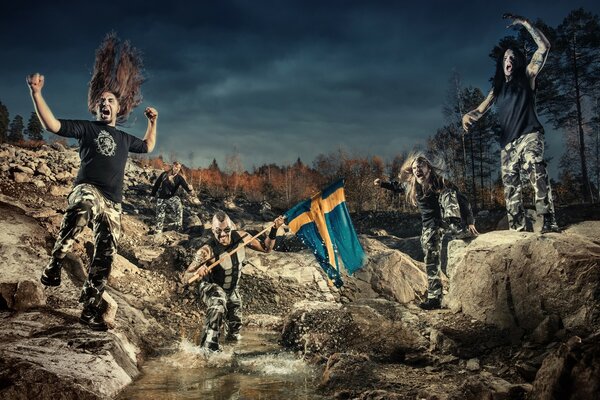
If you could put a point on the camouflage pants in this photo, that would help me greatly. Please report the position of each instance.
(173, 204)
(219, 304)
(524, 157)
(85, 204)
(431, 241)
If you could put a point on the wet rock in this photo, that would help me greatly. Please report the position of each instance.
(348, 371)
(378, 328)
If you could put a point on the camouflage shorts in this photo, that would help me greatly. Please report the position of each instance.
(85, 204)
(522, 160)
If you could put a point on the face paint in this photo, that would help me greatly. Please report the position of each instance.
(222, 230)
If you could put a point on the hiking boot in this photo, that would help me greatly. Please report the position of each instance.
(550, 224)
(51, 274)
(92, 317)
(431, 304)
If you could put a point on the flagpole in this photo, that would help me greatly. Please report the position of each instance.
(235, 250)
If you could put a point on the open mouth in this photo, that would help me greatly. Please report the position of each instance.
(105, 111)
(509, 67)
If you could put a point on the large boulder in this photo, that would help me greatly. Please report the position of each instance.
(517, 280)
(380, 329)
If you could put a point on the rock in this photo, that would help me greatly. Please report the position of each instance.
(59, 191)
(485, 386)
(21, 177)
(28, 295)
(24, 169)
(378, 328)
(570, 372)
(473, 365)
(39, 183)
(546, 331)
(43, 169)
(514, 280)
(391, 273)
(348, 371)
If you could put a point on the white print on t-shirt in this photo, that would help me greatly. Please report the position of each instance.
(105, 144)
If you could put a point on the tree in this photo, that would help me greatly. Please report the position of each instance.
(15, 130)
(576, 77)
(35, 128)
(4, 119)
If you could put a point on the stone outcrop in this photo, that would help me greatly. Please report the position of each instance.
(524, 280)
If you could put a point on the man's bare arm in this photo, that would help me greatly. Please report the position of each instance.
(543, 45)
(150, 137)
(49, 122)
(203, 254)
(473, 116)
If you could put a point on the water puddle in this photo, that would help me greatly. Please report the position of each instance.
(254, 368)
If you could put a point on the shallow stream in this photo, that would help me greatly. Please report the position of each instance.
(254, 368)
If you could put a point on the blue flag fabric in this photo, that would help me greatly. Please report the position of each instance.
(323, 224)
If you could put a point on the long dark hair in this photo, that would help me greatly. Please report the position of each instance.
(119, 70)
(519, 74)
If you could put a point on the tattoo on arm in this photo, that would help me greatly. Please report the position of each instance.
(203, 254)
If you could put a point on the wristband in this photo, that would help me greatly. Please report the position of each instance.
(273, 233)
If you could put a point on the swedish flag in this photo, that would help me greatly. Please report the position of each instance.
(323, 224)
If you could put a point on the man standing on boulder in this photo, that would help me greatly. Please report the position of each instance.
(219, 286)
(522, 138)
(166, 186)
(443, 209)
(114, 91)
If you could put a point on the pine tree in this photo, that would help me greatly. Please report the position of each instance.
(4, 119)
(35, 128)
(15, 130)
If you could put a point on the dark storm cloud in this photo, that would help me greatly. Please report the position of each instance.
(275, 79)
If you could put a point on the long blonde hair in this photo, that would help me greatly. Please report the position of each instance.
(436, 178)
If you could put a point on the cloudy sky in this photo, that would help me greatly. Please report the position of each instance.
(276, 80)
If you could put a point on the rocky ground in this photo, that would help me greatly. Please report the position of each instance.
(522, 317)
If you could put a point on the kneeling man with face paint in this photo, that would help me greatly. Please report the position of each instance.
(218, 287)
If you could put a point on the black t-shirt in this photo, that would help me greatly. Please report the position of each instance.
(103, 151)
(516, 111)
(166, 187)
(228, 277)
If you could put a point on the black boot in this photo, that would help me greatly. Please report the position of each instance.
(92, 317)
(550, 224)
(431, 304)
(51, 274)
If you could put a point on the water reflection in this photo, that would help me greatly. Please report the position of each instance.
(254, 368)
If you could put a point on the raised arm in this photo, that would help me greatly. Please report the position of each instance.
(473, 116)
(49, 122)
(543, 45)
(150, 137)
(269, 243)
